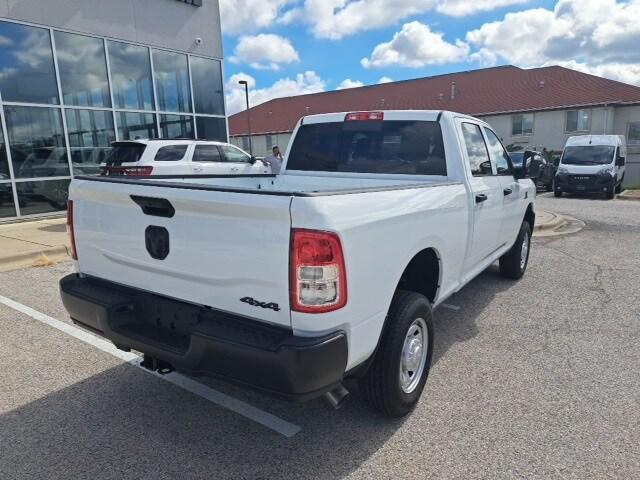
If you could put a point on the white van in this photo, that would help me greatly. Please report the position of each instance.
(591, 164)
(180, 157)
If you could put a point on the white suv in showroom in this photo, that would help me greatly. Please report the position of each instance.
(180, 157)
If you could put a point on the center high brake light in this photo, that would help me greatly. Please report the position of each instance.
(318, 277)
(364, 116)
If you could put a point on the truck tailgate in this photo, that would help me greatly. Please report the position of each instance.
(223, 247)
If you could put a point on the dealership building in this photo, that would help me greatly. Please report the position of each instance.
(78, 75)
(528, 108)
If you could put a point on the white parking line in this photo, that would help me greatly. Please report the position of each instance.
(450, 307)
(230, 403)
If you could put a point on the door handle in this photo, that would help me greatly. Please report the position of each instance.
(234, 169)
(507, 191)
(481, 197)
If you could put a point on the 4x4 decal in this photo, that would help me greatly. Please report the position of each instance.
(255, 303)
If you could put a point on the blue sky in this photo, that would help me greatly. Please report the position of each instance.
(288, 47)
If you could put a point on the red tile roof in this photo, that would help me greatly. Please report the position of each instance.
(478, 92)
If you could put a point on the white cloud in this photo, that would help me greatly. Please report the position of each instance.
(245, 16)
(599, 36)
(307, 82)
(264, 52)
(627, 73)
(348, 83)
(461, 8)
(335, 19)
(416, 46)
(385, 79)
(5, 41)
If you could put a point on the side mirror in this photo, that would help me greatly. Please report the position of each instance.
(556, 162)
(520, 172)
(252, 160)
(620, 161)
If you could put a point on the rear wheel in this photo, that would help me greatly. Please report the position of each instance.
(514, 263)
(395, 380)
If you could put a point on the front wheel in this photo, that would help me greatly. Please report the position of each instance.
(514, 263)
(395, 380)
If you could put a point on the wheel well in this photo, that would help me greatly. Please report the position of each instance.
(422, 275)
(530, 216)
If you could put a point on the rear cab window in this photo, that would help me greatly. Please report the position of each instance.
(370, 146)
(171, 153)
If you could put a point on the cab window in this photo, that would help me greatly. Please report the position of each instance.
(477, 153)
(499, 154)
(234, 155)
(207, 153)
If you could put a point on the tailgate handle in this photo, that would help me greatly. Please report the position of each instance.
(156, 207)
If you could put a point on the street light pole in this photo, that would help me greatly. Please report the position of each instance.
(246, 92)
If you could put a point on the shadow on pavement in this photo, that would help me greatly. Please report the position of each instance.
(123, 422)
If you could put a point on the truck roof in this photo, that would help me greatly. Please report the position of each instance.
(425, 115)
(583, 140)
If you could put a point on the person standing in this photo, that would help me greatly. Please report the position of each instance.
(274, 160)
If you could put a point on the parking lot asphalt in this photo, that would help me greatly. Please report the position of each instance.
(534, 379)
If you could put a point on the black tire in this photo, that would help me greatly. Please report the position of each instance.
(619, 187)
(381, 384)
(511, 265)
(557, 193)
(610, 193)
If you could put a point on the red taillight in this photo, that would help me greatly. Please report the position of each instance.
(127, 171)
(70, 229)
(364, 116)
(318, 276)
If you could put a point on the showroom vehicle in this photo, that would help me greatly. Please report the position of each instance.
(591, 164)
(541, 171)
(180, 157)
(293, 283)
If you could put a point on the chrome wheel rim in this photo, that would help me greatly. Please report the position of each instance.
(414, 355)
(524, 251)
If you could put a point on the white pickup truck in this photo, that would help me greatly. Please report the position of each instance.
(293, 283)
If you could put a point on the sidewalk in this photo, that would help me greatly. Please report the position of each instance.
(630, 195)
(40, 242)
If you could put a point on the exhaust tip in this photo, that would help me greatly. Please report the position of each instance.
(337, 397)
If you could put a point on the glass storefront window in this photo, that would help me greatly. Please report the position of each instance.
(172, 81)
(206, 77)
(44, 196)
(27, 73)
(4, 163)
(7, 207)
(131, 76)
(83, 70)
(36, 142)
(211, 128)
(90, 135)
(133, 126)
(176, 126)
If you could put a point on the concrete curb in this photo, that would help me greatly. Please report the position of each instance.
(629, 195)
(27, 259)
(556, 220)
(554, 224)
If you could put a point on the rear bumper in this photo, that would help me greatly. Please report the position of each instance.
(202, 341)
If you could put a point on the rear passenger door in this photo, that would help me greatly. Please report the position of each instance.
(486, 193)
(208, 160)
(172, 160)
